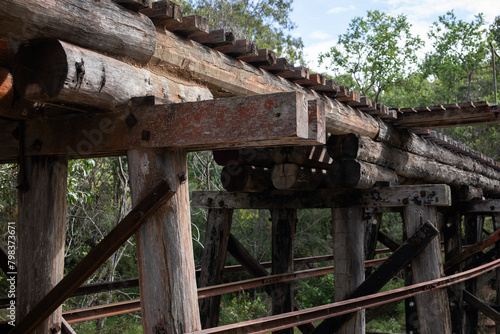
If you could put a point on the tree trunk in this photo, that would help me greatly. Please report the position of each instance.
(42, 232)
(164, 247)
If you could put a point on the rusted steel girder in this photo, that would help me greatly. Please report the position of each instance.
(292, 319)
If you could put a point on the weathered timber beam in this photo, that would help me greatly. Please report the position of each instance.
(259, 157)
(61, 73)
(291, 319)
(447, 117)
(310, 156)
(95, 258)
(225, 75)
(242, 178)
(414, 166)
(256, 121)
(214, 38)
(400, 258)
(475, 248)
(387, 241)
(135, 4)
(481, 306)
(481, 206)
(399, 196)
(294, 177)
(66, 328)
(359, 174)
(103, 26)
(8, 50)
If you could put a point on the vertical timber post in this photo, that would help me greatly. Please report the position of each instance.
(496, 225)
(212, 266)
(452, 247)
(349, 268)
(283, 236)
(42, 232)
(473, 231)
(165, 259)
(411, 314)
(372, 224)
(432, 307)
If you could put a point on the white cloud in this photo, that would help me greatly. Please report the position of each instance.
(319, 34)
(311, 54)
(336, 10)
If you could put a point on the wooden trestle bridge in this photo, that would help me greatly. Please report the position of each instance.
(81, 79)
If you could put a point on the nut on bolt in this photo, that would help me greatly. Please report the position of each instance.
(182, 177)
(146, 135)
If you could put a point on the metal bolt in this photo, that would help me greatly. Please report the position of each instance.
(55, 328)
(131, 120)
(405, 201)
(37, 145)
(182, 177)
(146, 135)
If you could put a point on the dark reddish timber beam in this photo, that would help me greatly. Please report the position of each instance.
(95, 258)
(478, 304)
(292, 319)
(135, 4)
(252, 121)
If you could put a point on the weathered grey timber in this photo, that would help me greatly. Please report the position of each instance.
(414, 166)
(84, 78)
(103, 26)
(41, 235)
(164, 246)
(359, 174)
(432, 307)
(349, 268)
(283, 237)
(212, 264)
(291, 176)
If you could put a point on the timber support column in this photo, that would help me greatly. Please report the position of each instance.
(212, 266)
(41, 234)
(349, 267)
(432, 307)
(284, 224)
(165, 259)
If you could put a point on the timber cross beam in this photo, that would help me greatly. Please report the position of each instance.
(254, 121)
(377, 197)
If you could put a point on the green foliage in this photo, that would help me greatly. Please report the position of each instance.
(242, 307)
(392, 321)
(315, 291)
(495, 30)
(375, 51)
(265, 22)
(459, 52)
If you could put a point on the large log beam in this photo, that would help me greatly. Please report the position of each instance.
(414, 166)
(103, 26)
(61, 73)
(256, 121)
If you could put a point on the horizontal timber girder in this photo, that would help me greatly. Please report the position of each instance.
(253, 121)
(398, 196)
(292, 319)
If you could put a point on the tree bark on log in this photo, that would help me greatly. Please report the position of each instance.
(42, 232)
(103, 25)
(169, 299)
(413, 166)
(58, 72)
(359, 174)
(310, 156)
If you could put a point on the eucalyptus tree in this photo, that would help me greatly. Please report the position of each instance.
(376, 52)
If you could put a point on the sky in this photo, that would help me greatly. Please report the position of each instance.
(320, 22)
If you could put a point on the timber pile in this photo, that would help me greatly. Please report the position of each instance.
(165, 54)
